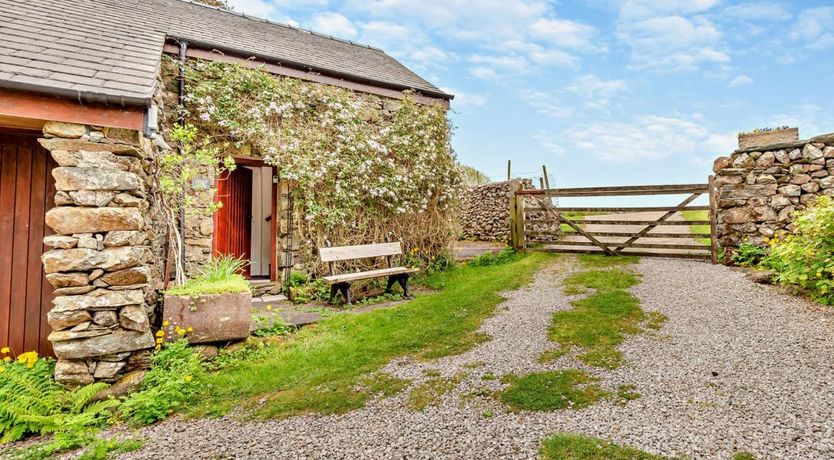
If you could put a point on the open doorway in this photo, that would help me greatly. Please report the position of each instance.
(245, 224)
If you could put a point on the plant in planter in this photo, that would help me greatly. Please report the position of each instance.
(215, 306)
(760, 137)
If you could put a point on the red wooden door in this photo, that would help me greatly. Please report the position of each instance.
(233, 221)
(27, 191)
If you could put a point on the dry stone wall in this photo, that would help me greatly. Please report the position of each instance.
(484, 212)
(759, 189)
(101, 262)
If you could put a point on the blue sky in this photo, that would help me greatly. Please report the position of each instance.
(601, 91)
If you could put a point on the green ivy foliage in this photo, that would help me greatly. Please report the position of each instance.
(806, 256)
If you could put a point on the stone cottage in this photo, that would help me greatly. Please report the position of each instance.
(80, 259)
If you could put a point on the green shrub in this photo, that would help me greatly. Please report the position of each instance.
(176, 375)
(221, 275)
(806, 257)
(749, 255)
(489, 259)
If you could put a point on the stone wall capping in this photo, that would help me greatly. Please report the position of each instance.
(772, 147)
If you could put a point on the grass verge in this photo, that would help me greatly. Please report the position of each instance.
(320, 369)
(576, 447)
(600, 321)
(547, 391)
(704, 229)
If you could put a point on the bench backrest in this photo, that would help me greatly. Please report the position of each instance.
(361, 251)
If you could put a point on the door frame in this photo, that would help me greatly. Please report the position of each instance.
(273, 227)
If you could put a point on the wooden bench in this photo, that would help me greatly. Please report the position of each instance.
(340, 283)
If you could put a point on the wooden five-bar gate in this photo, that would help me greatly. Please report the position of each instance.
(662, 231)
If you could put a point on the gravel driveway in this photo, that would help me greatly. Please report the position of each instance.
(736, 367)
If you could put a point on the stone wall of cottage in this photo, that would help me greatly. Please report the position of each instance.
(759, 188)
(484, 211)
(101, 262)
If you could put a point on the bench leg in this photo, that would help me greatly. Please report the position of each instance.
(340, 288)
(391, 281)
(403, 280)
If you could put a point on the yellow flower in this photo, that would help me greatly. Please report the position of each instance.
(188, 378)
(160, 333)
(269, 307)
(190, 329)
(157, 348)
(159, 340)
(181, 332)
(7, 359)
(5, 350)
(165, 323)
(29, 358)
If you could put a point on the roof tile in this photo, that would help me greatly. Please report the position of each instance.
(113, 47)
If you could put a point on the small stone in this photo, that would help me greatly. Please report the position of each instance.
(811, 152)
(206, 351)
(88, 243)
(779, 201)
(95, 274)
(65, 130)
(800, 179)
(828, 152)
(60, 320)
(108, 370)
(786, 213)
(105, 318)
(743, 161)
(60, 242)
(131, 382)
(766, 160)
(124, 238)
(790, 190)
(782, 156)
(72, 373)
(73, 290)
(811, 187)
(795, 154)
(91, 198)
(827, 182)
(721, 163)
(63, 199)
(766, 179)
(134, 318)
(62, 280)
(129, 276)
(127, 200)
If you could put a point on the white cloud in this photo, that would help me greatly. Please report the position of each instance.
(538, 37)
(547, 103)
(549, 143)
(596, 91)
(814, 28)
(672, 35)
(259, 8)
(648, 138)
(465, 100)
(333, 24)
(756, 11)
(741, 80)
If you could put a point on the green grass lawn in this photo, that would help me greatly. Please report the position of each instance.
(705, 229)
(547, 391)
(325, 368)
(575, 447)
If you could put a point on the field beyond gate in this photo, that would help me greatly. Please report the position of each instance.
(663, 231)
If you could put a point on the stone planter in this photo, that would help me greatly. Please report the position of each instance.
(764, 138)
(213, 318)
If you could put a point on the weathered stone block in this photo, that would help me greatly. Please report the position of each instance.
(721, 163)
(827, 182)
(128, 277)
(73, 178)
(124, 238)
(107, 370)
(790, 190)
(60, 280)
(73, 145)
(117, 342)
(60, 242)
(800, 179)
(738, 215)
(133, 317)
(99, 299)
(72, 373)
(73, 290)
(69, 219)
(106, 318)
(109, 259)
(810, 152)
(782, 156)
(96, 198)
(66, 130)
(60, 320)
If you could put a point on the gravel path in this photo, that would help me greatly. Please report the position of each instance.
(736, 367)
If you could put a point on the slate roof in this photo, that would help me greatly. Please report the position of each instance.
(111, 49)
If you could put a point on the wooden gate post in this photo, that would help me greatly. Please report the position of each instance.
(713, 221)
(518, 240)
